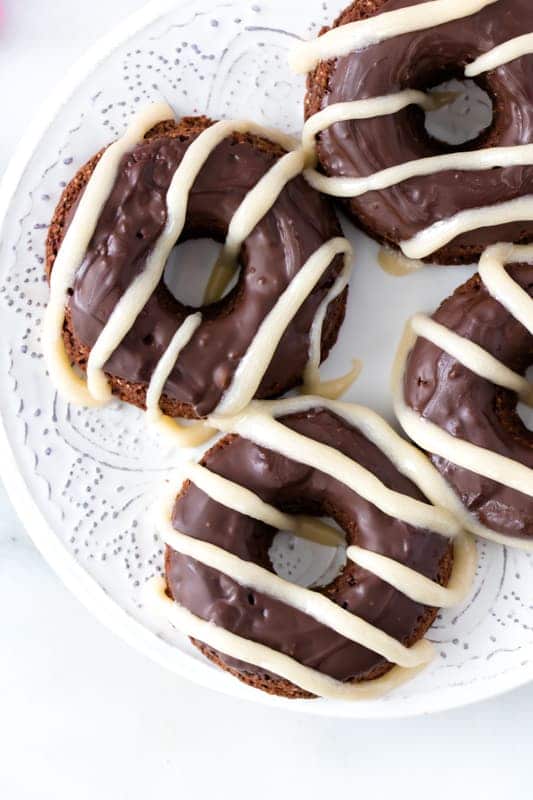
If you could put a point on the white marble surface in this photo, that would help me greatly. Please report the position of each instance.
(83, 716)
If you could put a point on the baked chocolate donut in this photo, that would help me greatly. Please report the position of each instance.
(130, 228)
(214, 514)
(483, 448)
(416, 61)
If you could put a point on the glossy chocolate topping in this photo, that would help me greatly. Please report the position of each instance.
(292, 487)
(419, 61)
(132, 220)
(469, 407)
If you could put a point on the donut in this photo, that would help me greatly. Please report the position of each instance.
(368, 83)
(282, 465)
(457, 380)
(110, 313)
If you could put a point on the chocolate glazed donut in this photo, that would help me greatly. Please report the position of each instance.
(420, 61)
(295, 488)
(440, 389)
(131, 223)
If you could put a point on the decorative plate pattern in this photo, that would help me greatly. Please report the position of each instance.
(84, 481)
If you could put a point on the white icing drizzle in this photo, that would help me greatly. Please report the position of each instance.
(251, 210)
(311, 379)
(74, 247)
(500, 284)
(195, 433)
(363, 109)
(271, 660)
(357, 35)
(510, 473)
(419, 588)
(438, 235)
(252, 366)
(242, 500)
(316, 605)
(258, 425)
(465, 454)
(142, 287)
(393, 262)
(502, 54)
(475, 160)
(472, 356)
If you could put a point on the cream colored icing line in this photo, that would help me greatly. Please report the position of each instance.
(458, 451)
(311, 379)
(500, 284)
(416, 586)
(251, 211)
(74, 246)
(278, 663)
(430, 239)
(472, 356)
(185, 435)
(316, 605)
(447, 497)
(354, 36)
(477, 160)
(251, 369)
(502, 54)
(406, 580)
(257, 425)
(137, 294)
(238, 498)
(259, 201)
(395, 263)
(407, 459)
(362, 109)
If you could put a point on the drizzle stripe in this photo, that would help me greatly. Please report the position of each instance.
(502, 54)
(354, 36)
(438, 235)
(74, 246)
(458, 451)
(259, 201)
(403, 578)
(311, 378)
(361, 109)
(316, 605)
(251, 369)
(190, 435)
(257, 426)
(500, 284)
(471, 356)
(477, 160)
(137, 294)
(416, 586)
(407, 459)
(279, 664)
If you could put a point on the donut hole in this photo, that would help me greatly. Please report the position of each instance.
(307, 563)
(189, 268)
(465, 118)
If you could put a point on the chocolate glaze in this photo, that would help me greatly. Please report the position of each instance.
(132, 220)
(419, 61)
(293, 487)
(469, 407)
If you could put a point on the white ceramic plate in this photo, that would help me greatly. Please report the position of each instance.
(84, 481)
